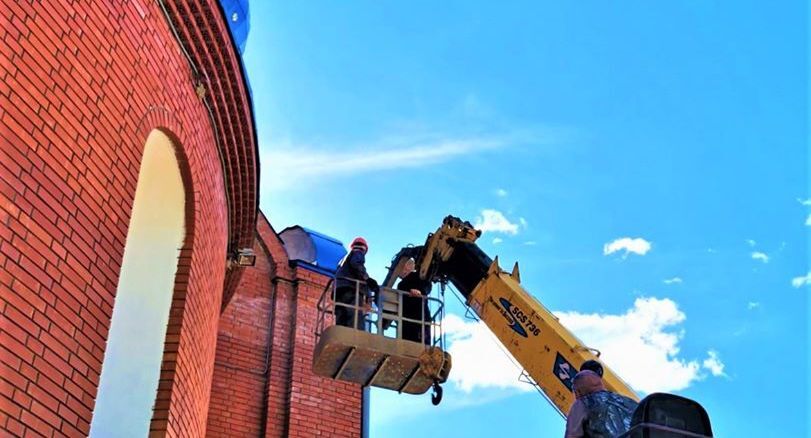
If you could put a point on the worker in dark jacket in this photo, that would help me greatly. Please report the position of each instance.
(415, 304)
(353, 287)
(597, 412)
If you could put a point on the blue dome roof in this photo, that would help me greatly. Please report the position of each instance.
(237, 13)
(312, 250)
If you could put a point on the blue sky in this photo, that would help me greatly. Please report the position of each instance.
(562, 128)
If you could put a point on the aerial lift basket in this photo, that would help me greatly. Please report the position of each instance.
(373, 352)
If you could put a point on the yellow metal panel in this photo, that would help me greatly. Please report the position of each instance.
(549, 352)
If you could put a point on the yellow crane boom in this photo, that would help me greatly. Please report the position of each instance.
(550, 354)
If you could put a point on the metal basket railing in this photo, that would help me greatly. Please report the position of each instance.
(386, 317)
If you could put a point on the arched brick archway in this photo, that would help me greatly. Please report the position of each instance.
(144, 294)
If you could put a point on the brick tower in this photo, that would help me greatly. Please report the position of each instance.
(90, 93)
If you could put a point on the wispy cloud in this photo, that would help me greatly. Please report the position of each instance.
(651, 330)
(751, 242)
(752, 305)
(501, 193)
(801, 281)
(762, 256)
(288, 164)
(637, 246)
(713, 364)
(497, 240)
(808, 221)
(495, 221)
(530, 243)
(523, 222)
(674, 280)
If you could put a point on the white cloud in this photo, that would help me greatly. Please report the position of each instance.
(808, 221)
(801, 281)
(497, 240)
(494, 220)
(757, 255)
(711, 250)
(674, 280)
(478, 359)
(751, 242)
(501, 193)
(641, 345)
(287, 164)
(530, 243)
(523, 222)
(713, 364)
(636, 245)
(752, 305)
(806, 202)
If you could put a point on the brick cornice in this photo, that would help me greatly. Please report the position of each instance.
(204, 35)
(217, 73)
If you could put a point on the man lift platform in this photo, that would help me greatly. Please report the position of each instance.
(379, 356)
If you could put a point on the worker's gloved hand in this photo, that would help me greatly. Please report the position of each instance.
(372, 284)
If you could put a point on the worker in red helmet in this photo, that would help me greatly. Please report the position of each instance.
(360, 242)
(353, 287)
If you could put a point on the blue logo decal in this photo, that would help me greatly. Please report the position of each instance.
(508, 313)
(564, 371)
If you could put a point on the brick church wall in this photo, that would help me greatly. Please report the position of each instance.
(276, 302)
(82, 84)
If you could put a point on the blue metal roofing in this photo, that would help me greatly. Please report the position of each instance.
(312, 250)
(237, 13)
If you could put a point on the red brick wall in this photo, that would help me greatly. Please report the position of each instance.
(277, 303)
(240, 369)
(81, 87)
(319, 406)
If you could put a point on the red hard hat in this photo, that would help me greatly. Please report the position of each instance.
(360, 241)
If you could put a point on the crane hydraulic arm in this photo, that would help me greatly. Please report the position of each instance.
(550, 354)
